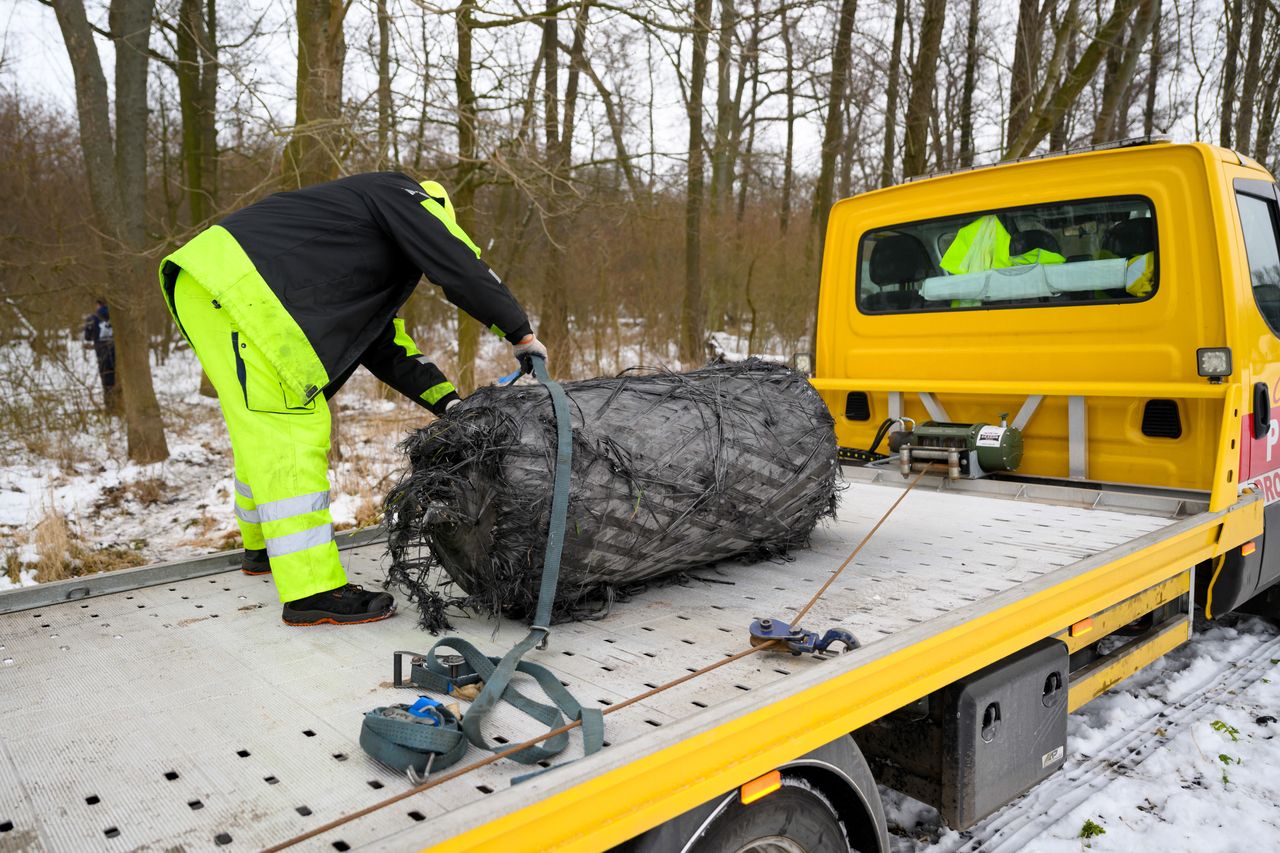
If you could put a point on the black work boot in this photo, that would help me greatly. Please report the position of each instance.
(346, 605)
(255, 562)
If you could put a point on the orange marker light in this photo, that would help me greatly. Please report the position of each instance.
(1084, 626)
(761, 787)
(1248, 548)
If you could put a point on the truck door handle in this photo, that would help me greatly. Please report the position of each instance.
(1261, 410)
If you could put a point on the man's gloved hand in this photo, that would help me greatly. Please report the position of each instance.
(452, 404)
(524, 351)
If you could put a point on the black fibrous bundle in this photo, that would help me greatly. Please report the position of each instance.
(671, 472)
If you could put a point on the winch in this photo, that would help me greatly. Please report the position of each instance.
(969, 450)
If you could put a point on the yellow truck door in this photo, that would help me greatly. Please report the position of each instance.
(1257, 209)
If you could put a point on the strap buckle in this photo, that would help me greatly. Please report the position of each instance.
(427, 710)
(397, 673)
(546, 633)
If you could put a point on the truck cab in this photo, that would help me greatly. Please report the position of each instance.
(1118, 307)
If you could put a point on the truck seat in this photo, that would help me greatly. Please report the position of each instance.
(899, 260)
(1130, 238)
(1035, 238)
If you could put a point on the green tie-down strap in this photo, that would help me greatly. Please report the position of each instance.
(429, 673)
(405, 741)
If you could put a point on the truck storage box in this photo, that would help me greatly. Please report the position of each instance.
(978, 743)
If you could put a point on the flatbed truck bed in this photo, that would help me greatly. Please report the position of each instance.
(168, 707)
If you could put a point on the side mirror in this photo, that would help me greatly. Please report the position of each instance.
(1261, 410)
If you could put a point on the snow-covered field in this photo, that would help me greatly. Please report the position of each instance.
(1183, 756)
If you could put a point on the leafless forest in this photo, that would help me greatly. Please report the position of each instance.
(640, 173)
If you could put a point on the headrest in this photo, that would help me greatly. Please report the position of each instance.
(1131, 237)
(1025, 241)
(899, 258)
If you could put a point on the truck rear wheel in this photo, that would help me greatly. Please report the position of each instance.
(797, 818)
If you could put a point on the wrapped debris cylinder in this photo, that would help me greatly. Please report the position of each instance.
(671, 472)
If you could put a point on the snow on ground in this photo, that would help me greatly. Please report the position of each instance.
(736, 348)
(1209, 782)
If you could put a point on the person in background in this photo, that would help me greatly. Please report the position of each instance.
(98, 334)
(281, 301)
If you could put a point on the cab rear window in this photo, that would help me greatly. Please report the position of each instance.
(1066, 253)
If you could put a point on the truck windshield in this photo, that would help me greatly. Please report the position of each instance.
(1067, 253)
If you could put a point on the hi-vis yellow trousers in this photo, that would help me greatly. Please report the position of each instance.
(281, 449)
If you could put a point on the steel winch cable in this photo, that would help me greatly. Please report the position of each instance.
(618, 706)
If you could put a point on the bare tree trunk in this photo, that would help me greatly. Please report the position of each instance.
(970, 83)
(753, 60)
(420, 135)
(617, 131)
(464, 190)
(1026, 65)
(833, 129)
(555, 330)
(692, 310)
(923, 75)
(1264, 141)
(721, 179)
(1043, 119)
(1252, 75)
(891, 94)
(1120, 76)
(788, 161)
(209, 98)
(1153, 77)
(1060, 133)
(384, 84)
(197, 93)
(1234, 10)
(116, 171)
(555, 325)
(748, 67)
(313, 152)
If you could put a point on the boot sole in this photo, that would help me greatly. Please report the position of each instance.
(255, 572)
(329, 619)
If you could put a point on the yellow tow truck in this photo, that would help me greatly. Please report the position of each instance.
(1052, 382)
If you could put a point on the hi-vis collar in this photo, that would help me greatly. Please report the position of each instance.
(437, 193)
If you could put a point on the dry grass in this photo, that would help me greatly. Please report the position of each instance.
(57, 446)
(209, 532)
(12, 568)
(368, 514)
(52, 538)
(61, 556)
(150, 491)
(107, 559)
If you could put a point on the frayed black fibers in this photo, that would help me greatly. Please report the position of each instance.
(671, 472)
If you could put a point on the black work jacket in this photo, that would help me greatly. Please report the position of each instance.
(344, 256)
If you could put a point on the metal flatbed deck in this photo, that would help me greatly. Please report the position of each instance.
(186, 716)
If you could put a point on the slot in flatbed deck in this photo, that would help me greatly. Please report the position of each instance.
(185, 715)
